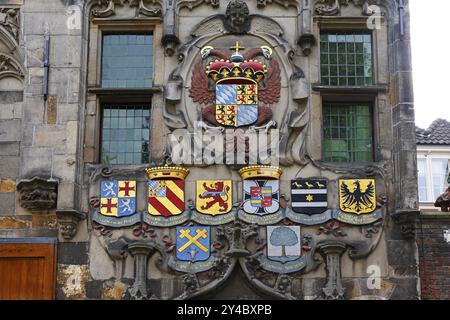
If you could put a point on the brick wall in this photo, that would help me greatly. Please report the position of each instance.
(434, 255)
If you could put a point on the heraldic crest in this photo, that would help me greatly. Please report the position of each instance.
(241, 83)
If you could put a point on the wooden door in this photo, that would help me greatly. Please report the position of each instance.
(27, 271)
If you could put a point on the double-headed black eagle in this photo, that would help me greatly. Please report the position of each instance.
(359, 199)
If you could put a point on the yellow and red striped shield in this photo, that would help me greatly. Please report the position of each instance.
(166, 197)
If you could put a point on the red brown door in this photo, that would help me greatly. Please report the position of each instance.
(27, 270)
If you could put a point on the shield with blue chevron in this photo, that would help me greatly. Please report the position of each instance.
(237, 103)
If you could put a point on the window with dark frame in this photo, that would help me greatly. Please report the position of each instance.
(125, 134)
(346, 59)
(127, 63)
(347, 132)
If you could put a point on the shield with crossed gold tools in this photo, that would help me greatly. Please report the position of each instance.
(118, 198)
(193, 243)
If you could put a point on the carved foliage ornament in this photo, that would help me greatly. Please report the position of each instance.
(333, 7)
(107, 8)
(38, 194)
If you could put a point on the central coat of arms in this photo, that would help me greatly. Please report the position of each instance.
(241, 82)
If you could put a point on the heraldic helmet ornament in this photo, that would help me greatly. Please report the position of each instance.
(267, 172)
(237, 68)
(167, 173)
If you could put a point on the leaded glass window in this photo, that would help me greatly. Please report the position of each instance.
(347, 131)
(127, 61)
(346, 59)
(125, 134)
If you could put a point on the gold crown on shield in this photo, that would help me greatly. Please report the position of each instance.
(237, 67)
(252, 172)
(167, 173)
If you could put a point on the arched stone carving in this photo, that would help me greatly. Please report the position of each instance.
(10, 60)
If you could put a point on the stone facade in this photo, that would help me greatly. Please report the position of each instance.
(50, 146)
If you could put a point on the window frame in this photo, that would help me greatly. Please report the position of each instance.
(121, 101)
(98, 96)
(372, 117)
(349, 30)
(429, 157)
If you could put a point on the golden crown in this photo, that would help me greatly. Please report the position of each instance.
(252, 172)
(237, 67)
(167, 172)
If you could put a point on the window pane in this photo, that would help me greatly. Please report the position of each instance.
(422, 179)
(124, 141)
(347, 55)
(439, 172)
(347, 133)
(127, 61)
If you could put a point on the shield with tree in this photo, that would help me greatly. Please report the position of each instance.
(284, 237)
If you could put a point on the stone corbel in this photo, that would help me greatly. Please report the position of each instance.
(332, 252)
(406, 219)
(306, 40)
(141, 252)
(38, 194)
(68, 220)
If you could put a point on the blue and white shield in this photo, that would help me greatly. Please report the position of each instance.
(236, 104)
(193, 243)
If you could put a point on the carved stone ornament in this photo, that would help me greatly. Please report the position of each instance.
(9, 21)
(107, 8)
(141, 252)
(406, 220)
(68, 221)
(10, 67)
(333, 7)
(38, 194)
(237, 17)
(332, 251)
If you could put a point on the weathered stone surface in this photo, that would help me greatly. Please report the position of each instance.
(11, 96)
(7, 185)
(15, 223)
(75, 253)
(36, 160)
(10, 130)
(9, 167)
(72, 280)
(7, 200)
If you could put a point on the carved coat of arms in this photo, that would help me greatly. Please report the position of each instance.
(309, 196)
(193, 243)
(261, 190)
(166, 191)
(118, 198)
(357, 196)
(214, 197)
(241, 83)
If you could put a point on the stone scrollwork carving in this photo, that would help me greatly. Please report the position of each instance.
(107, 8)
(333, 7)
(38, 194)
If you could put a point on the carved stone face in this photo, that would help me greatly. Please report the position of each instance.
(237, 17)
